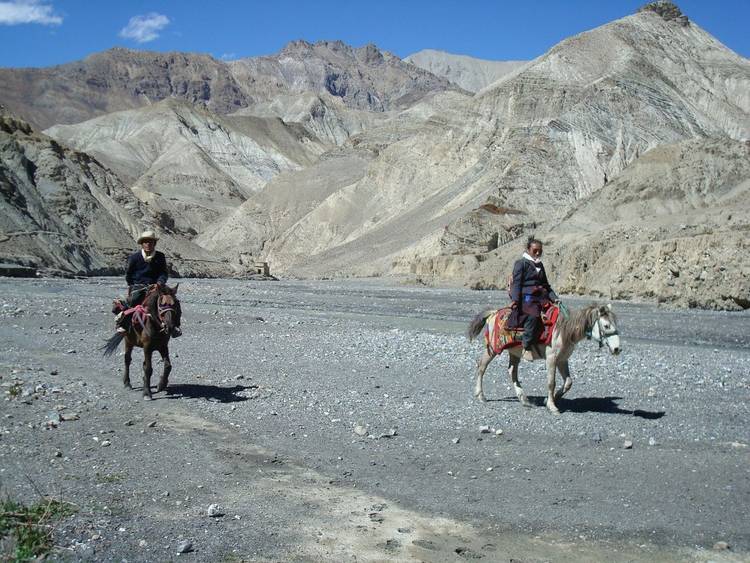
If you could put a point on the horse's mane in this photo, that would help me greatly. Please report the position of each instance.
(579, 323)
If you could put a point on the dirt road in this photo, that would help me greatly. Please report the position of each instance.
(335, 420)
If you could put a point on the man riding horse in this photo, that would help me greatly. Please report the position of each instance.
(530, 293)
(146, 267)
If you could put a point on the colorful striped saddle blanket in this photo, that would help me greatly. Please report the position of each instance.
(498, 337)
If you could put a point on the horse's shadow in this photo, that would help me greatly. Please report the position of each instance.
(607, 405)
(212, 393)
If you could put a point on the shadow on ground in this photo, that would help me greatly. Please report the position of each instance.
(212, 393)
(606, 405)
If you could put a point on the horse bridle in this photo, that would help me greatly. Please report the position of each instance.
(603, 335)
(163, 310)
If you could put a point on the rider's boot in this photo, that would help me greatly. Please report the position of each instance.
(121, 323)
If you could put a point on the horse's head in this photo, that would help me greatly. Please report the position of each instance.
(168, 308)
(604, 329)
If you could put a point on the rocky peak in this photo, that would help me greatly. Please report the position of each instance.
(370, 54)
(667, 10)
(10, 124)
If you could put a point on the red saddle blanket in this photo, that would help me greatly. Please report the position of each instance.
(139, 312)
(498, 337)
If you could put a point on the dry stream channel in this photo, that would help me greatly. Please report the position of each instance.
(334, 420)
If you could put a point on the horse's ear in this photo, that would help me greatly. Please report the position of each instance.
(603, 310)
(174, 289)
(609, 306)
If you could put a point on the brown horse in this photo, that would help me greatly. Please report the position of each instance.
(162, 314)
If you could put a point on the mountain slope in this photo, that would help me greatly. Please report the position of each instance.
(120, 79)
(189, 164)
(469, 73)
(671, 226)
(61, 209)
(536, 142)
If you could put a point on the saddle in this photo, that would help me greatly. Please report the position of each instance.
(121, 307)
(139, 312)
(498, 337)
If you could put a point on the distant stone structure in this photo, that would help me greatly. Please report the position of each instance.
(262, 268)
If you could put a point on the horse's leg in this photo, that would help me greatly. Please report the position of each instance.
(513, 362)
(567, 380)
(551, 373)
(147, 371)
(164, 381)
(128, 358)
(482, 364)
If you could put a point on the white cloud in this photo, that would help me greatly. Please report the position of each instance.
(146, 28)
(228, 56)
(27, 11)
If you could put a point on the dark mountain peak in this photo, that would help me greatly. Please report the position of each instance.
(667, 10)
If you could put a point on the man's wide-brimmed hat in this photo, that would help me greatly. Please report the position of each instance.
(147, 235)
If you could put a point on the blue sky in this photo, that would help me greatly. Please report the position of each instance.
(49, 32)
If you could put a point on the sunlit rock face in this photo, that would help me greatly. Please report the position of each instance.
(328, 160)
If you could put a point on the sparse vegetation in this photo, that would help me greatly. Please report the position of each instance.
(109, 477)
(14, 390)
(26, 531)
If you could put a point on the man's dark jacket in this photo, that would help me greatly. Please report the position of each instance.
(141, 272)
(529, 287)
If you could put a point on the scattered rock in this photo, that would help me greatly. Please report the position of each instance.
(185, 547)
(484, 430)
(214, 511)
(721, 546)
(627, 445)
(360, 430)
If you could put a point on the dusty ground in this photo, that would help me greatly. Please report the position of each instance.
(270, 381)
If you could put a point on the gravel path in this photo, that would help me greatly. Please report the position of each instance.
(335, 420)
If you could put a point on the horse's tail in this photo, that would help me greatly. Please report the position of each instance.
(476, 326)
(109, 348)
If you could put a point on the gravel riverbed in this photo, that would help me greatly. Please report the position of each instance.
(335, 420)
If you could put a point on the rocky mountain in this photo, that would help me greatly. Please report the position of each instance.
(621, 147)
(469, 73)
(120, 79)
(115, 80)
(364, 78)
(61, 210)
(188, 164)
(671, 227)
(526, 149)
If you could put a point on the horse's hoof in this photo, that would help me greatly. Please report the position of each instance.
(161, 388)
(554, 411)
(481, 398)
(147, 397)
(526, 404)
(127, 386)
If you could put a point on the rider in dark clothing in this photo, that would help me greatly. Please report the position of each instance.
(146, 267)
(529, 291)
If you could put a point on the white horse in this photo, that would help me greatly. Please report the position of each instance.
(596, 322)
